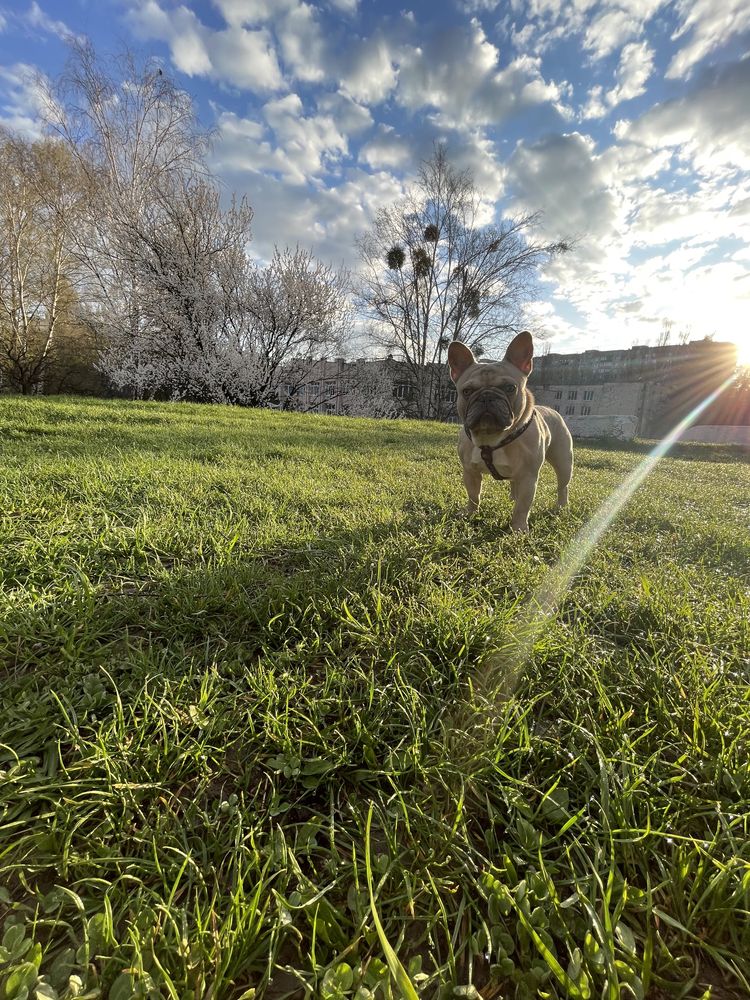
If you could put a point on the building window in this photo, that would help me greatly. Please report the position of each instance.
(558, 394)
(330, 389)
(588, 394)
(330, 409)
(402, 390)
(314, 388)
(570, 410)
(449, 395)
(585, 410)
(573, 394)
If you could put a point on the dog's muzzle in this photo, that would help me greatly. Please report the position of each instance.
(489, 410)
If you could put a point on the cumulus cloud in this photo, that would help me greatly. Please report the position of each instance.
(249, 12)
(21, 100)
(610, 31)
(467, 149)
(345, 6)
(294, 146)
(351, 117)
(326, 220)
(387, 149)
(604, 26)
(303, 46)
(708, 127)
(706, 25)
(633, 71)
(636, 66)
(235, 55)
(367, 69)
(458, 72)
(562, 176)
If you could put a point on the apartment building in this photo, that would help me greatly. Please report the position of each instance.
(641, 391)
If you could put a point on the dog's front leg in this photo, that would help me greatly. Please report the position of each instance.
(473, 484)
(523, 491)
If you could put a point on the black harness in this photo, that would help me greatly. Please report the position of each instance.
(486, 450)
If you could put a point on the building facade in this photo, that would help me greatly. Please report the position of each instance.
(637, 392)
(641, 391)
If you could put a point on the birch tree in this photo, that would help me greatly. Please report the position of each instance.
(42, 201)
(137, 139)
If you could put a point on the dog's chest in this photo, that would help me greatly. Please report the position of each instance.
(499, 460)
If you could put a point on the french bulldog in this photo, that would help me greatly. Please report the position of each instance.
(504, 432)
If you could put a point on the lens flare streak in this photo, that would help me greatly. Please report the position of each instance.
(502, 667)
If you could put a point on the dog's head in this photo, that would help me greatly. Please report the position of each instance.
(491, 396)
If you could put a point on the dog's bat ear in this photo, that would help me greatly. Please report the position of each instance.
(459, 359)
(521, 352)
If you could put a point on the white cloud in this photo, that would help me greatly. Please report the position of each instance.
(43, 22)
(387, 149)
(296, 147)
(709, 127)
(610, 31)
(302, 42)
(596, 105)
(467, 149)
(633, 72)
(603, 25)
(367, 69)
(636, 66)
(350, 117)
(561, 176)
(235, 55)
(247, 12)
(20, 100)
(326, 220)
(457, 72)
(708, 25)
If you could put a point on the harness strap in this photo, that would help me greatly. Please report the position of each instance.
(486, 450)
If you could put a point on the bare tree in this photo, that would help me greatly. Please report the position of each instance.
(42, 201)
(368, 390)
(186, 256)
(291, 313)
(665, 334)
(431, 273)
(136, 138)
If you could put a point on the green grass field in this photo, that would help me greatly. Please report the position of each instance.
(249, 739)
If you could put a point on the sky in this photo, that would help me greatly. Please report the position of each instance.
(626, 123)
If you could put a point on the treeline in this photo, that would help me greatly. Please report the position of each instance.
(124, 267)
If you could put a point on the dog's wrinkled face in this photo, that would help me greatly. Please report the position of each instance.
(491, 396)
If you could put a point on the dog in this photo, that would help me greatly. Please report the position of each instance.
(504, 432)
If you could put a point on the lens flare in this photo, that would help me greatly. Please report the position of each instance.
(501, 669)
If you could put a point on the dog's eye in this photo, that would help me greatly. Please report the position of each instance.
(468, 390)
(510, 388)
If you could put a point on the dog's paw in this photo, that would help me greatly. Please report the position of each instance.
(521, 529)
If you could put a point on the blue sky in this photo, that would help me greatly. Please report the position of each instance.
(626, 122)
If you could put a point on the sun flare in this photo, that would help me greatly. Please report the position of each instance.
(743, 350)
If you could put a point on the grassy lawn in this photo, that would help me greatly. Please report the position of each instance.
(245, 682)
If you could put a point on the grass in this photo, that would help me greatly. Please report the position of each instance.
(249, 745)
